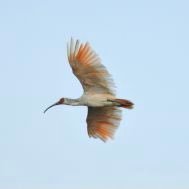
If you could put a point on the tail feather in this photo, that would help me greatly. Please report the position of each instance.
(124, 103)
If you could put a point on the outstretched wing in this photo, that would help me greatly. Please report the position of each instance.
(87, 67)
(103, 121)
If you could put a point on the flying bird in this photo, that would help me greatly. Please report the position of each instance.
(104, 108)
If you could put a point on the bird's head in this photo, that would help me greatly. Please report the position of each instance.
(61, 101)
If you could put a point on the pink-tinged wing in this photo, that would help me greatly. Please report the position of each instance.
(103, 121)
(87, 67)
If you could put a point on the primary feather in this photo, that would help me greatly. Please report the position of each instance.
(95, 80)
(87, 67)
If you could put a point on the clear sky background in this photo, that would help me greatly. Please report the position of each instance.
(144, 44)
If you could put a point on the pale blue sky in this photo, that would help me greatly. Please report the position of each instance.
(144, 44)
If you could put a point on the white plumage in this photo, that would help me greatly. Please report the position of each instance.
(104, 113)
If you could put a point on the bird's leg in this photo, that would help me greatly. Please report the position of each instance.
(114, 103)
(122, 103)
(109, 100)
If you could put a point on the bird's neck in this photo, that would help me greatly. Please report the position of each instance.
(72, 102)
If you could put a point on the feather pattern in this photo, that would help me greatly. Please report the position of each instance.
(103, 121)
(98, 86)
(87, 67)
(104, 113)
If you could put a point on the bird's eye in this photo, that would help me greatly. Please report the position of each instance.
(61, 101)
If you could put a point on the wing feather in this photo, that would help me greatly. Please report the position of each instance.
(103, 121)
(87, 67)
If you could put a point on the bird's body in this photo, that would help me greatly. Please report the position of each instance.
(104, 113)
(96, 100)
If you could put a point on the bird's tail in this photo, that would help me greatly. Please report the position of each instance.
(124, 103)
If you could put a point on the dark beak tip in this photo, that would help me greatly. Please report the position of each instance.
(50, 107)
(45, 111)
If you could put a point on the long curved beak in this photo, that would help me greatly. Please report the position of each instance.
(51, 106)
